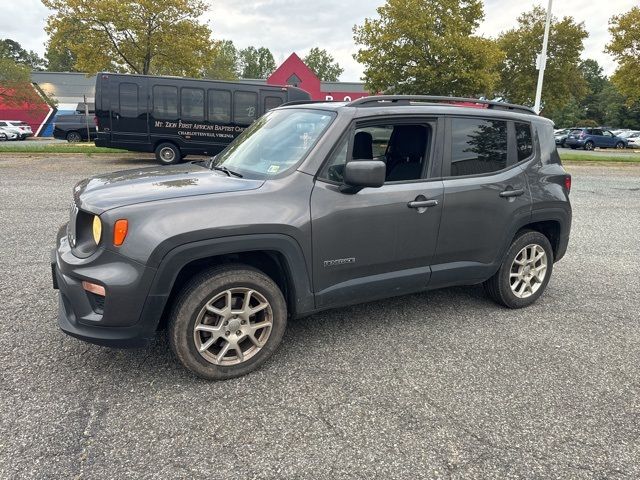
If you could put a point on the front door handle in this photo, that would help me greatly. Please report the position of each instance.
(422, 203)
(512, 193)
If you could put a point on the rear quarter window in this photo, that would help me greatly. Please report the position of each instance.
(524, 140)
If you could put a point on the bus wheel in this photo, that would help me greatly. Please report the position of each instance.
(168, 154)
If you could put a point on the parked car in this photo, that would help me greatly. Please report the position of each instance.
(633, 140)
(21, 128)
(589, 138)
(561, 136)
(7, 133)
(314, 206)
(73, 127)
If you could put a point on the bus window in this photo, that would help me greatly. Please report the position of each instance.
(271, 102)
(192, 103)
(245, 106)
(165, 102)
(219, 106)
(129, 100)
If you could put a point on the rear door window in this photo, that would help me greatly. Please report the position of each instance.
(478, 146)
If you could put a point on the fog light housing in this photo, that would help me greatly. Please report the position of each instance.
(94, 288)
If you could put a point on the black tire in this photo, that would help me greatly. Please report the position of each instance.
(589, 146)
(168, 154)
(498, 287)
(573, 148)
(74, 137)
(563, 144)
(190, 305)
(620, 145)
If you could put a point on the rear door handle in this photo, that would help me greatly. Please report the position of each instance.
(422, 203)
(512, 193)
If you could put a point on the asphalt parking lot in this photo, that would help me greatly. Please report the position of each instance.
(438, 385)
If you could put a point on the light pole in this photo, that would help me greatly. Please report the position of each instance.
(542, 59)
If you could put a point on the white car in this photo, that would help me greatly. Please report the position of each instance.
(633, 140)
(23, 129)
(8, 134)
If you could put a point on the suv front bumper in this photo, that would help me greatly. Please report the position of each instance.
(124, 318)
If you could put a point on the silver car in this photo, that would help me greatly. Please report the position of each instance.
(7, 133)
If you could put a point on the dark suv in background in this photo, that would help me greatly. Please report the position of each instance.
(314, 206)
(73, 127)
(589, 138)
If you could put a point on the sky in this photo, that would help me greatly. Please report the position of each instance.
(286, 26)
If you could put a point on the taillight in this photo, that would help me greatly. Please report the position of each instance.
(95, 121)
(582, 135)
(567, 183)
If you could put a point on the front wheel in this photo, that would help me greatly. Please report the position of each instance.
(524, 273)
(168, 154)
(227, 322)
(619, 145)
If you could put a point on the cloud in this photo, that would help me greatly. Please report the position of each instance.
(285, 26)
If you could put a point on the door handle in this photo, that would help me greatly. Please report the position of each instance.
(422, 203)
(512, 193)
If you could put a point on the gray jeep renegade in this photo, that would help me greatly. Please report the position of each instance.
(315, 206)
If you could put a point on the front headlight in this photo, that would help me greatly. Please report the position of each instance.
(97, 229)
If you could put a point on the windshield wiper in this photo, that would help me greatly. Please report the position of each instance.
(226, 170)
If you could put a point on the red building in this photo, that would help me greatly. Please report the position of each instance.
(293, 71)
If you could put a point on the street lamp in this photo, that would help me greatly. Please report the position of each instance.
(542, 59)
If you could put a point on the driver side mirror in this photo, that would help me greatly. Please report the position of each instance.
(365, 173)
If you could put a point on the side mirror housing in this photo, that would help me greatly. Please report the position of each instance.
(365, 173)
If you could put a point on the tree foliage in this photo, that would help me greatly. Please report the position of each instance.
(427, 47)
(15, 83)
(224, 65)
(256, 62)
(10, 49)
(625, 47)
(323, 65)
(132, 36)
(562, 79)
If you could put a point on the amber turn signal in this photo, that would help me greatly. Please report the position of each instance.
(93, 288)
(120, 232)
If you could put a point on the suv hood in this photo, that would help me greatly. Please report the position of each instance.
(104, 192)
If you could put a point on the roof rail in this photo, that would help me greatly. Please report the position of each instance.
(395, 100)
(302, 102)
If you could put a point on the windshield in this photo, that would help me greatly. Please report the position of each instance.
(275, 142)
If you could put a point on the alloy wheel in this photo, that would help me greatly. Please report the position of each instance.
(233, 326)
(528, 271)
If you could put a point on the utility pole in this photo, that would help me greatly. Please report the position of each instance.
(542, 59)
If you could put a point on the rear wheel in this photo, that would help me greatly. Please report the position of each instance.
(588, 146)
(619, 145)
(524, 273)
(168, 154)
(74, 137)
(227, 322)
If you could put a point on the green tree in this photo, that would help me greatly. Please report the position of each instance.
(625, 47)
(10, 49)
(15, 83)
(562, 79)
(256, 62)
(224, 65)
(323, 65)
(132, 36)
(427, 47)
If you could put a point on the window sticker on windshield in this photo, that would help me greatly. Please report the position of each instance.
(273, 169)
